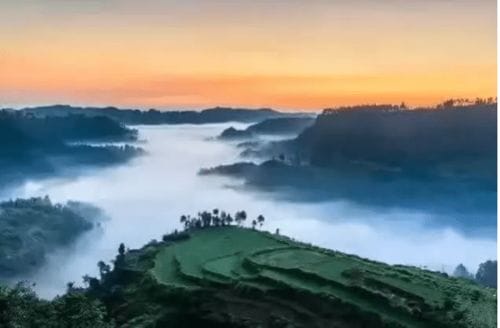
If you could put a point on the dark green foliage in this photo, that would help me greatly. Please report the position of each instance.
(175, 236)
(208, 219)
(462, 272)
(30, 228)
(20, 307)
(487, 274)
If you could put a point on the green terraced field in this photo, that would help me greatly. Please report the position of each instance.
(280, 279)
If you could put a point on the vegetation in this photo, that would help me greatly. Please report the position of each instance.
(32, 228)
(21, 307)
(487, 274)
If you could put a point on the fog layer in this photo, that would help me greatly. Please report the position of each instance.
(145, 198)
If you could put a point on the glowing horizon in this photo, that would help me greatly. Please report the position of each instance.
(281, 54)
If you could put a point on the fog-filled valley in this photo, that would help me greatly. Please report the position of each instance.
(144, 197)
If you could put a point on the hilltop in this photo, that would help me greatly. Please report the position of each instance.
(228, 276)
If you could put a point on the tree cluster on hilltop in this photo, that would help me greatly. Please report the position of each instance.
(486, 275)
(216, 218)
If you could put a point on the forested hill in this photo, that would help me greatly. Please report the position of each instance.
(152, 116)
(30, 145)
(404, 139)
(32, 228)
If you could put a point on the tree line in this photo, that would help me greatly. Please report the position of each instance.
(216, 218)
(486, 275)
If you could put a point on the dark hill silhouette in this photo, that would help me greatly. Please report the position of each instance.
(153, 116)
(32, 146)
(271, 126)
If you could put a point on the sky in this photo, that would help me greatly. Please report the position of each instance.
(294, 54)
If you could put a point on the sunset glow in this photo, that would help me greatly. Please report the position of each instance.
(283, 54)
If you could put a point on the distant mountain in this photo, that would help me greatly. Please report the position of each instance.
(152, 116)
(271, 126)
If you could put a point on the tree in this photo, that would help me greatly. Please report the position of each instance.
(103, 268)
(462, 272)
(229, 219)
(120, 258)
(240, 217)
(254, 224)
(184, 221)
(91, 282)
(223, 218)
(487, 274)
(121, 249)
(216, 217)
(260, 220)
(207, 219)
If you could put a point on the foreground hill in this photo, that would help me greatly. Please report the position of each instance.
(237, 277)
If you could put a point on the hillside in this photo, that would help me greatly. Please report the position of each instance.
(237, 277)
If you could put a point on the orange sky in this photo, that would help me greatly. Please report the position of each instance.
(293, 54)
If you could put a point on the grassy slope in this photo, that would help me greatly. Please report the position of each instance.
(249, 274)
